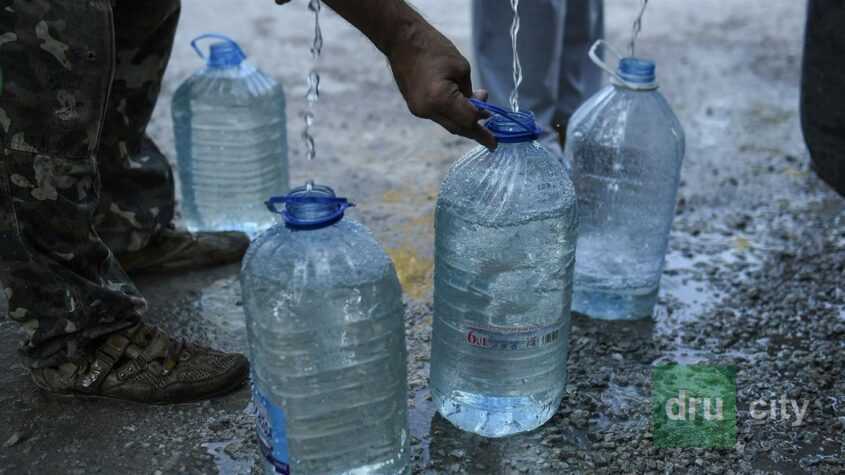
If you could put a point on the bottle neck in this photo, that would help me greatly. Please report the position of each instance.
(635, 74)
(311, 203)
(311, 211)
(516, 128)
(309, 207)
(225, 55)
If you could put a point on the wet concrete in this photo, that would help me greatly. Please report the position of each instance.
(754, 276)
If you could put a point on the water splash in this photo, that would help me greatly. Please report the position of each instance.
(517, 67)
(638, 26)
(313, 79)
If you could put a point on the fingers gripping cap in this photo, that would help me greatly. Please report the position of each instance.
(510, 127)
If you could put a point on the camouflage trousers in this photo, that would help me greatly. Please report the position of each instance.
(79, 179)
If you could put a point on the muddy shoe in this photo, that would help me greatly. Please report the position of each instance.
(142, 364)
(173, 250)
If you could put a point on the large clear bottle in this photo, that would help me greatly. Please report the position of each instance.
(325, 323)
(625, 146)
(231, 142)
(506, 229)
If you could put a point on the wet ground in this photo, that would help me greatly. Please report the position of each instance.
(754, 278)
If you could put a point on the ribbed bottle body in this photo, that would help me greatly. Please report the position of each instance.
(626, 149)
(231, 143)
(505, 244)
(325, 320)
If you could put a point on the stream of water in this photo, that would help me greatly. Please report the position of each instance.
(313, 79)
(517, 67)
(638, 26)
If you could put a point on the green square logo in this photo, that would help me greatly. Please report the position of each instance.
(693, 406)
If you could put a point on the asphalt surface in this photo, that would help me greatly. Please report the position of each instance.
(754, 276)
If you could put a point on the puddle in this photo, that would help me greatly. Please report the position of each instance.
(220, 306)
(544, 450)
(225, 463)
(685, 285)
(620, 402)
(821, 455)
(684, 356)
(692, 297)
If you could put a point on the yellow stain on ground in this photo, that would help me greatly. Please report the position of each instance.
(741, 244)
(795, 173)
(424, 224)
(392, 196)
(410, 195)
(415, 272)
(770, 115)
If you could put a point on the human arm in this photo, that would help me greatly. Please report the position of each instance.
(431, 73)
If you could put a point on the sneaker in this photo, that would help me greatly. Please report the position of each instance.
(143, 364)
(174, 250)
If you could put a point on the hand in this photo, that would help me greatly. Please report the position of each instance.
(434, 78)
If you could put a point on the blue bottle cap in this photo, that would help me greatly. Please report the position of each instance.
(510, 127)
(224, 54)
(309, 207)
(637, 70)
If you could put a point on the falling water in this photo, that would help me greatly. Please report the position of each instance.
(517, 67)
(313, 94)
(638, 26)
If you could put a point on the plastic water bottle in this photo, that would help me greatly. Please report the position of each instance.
(231, 142)
(506, 229)
(325, 323)
(626, 146)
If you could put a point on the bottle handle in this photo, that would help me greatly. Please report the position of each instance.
(273, 202)
(529, 127)
(614, 75)
(216, 36)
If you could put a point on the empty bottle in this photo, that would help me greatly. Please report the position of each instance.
(231, 142)
(625, 146)
(506, 229)
(325, 323)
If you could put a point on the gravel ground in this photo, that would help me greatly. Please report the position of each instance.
(754, 277)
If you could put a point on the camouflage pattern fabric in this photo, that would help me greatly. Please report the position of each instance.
(137, 196)
(76, 96)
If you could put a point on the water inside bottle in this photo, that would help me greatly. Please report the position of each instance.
(325, 322)
(231, 142)
(626, 148)
(504, 257)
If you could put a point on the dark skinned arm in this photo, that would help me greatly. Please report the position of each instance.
(431, 73)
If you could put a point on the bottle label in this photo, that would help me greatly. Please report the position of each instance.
(513, 338)
(272, 437)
